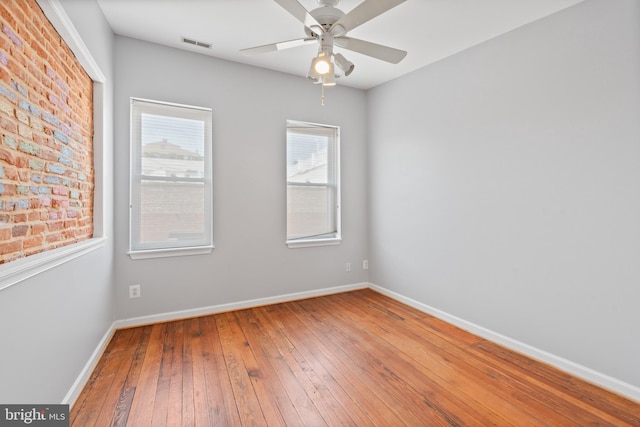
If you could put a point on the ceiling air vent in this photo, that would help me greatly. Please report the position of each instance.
(196, 43)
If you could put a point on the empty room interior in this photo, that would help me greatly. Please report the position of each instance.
(446, 238)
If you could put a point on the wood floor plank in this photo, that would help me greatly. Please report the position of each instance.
(200, 399)
(357, 358)
(168, 372)
(249, 408)
(175, 339)
(222, 406)
(188, 401)
(142, 406)
(121, 413)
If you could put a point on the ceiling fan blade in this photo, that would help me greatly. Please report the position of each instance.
(302, 15)
(273, 47)
(374, 50)
(362, 13)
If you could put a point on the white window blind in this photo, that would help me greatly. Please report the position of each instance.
(313, 184)
(171, 179)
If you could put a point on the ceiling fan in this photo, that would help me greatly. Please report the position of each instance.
(328, 26)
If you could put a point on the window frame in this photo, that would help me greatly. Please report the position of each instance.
(334, 238)
(140, 251)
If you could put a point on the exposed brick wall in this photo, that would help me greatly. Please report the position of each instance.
(46, 141)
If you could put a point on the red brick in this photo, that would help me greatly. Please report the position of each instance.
(37, 229)
(9, 189)
(5, 77)
(7, 17)
(60, 203)
(7, 156)
(69, 234)
(55, 225)
(12, 246)
(54, 237)
(19, 230)
(5, 233)
(19, 217)
(21, 162)
(9, 125)
(31, 242)
(11, 173)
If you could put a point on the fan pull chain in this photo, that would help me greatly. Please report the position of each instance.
(322, 97)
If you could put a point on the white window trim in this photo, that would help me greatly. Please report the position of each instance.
(324, 241)
(138, 254)
(22, 269)
(308, 243)
(165, 253)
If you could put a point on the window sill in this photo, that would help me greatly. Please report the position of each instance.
(172, 252)
(292, 244)
(25, 268)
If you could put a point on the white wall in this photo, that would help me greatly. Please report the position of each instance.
(52, 323)
(505, 186)
(250, 109)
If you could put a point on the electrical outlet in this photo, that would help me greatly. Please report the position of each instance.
(365, 264)
(134, 291)
(347, 267)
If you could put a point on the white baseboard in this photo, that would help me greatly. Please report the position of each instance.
(79, 383)
(597, 378)
(213, 309)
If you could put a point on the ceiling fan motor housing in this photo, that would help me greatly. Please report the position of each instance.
(326, 16)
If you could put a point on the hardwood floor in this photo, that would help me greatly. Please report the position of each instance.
(357, 358)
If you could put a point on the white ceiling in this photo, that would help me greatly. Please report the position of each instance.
(428, 30)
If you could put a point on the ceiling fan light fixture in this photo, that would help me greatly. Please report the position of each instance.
(329, 79)
(313, 74)
(322, 64)
(344, 64)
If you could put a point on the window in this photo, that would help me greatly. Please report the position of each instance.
(171, 200)
(313, 184)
